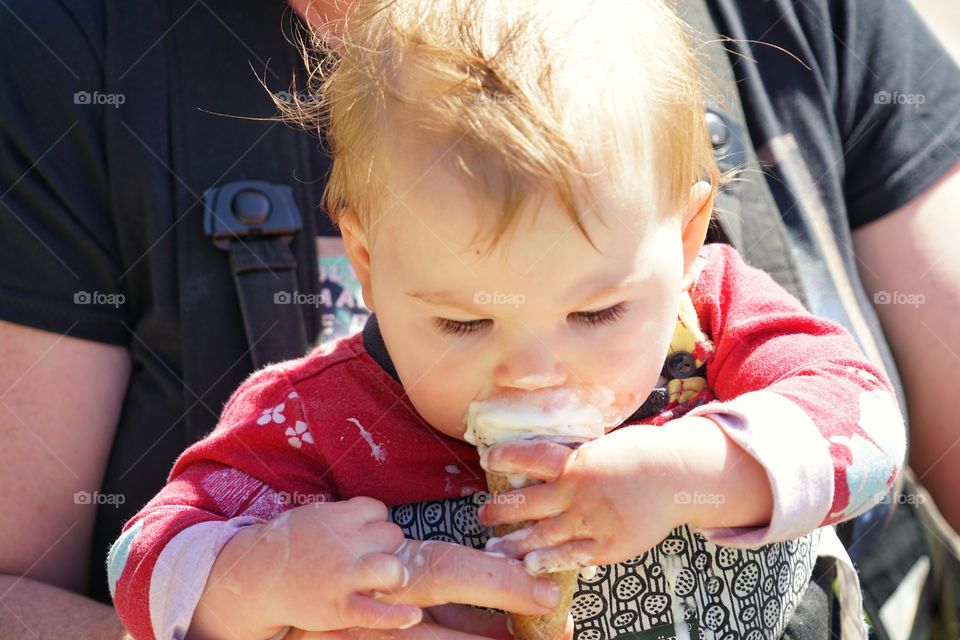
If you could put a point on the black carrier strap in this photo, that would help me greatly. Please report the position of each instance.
(745, 209)
(237, 196)
(256, 221)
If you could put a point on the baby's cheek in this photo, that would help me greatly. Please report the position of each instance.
(442, 396)
(635, 383)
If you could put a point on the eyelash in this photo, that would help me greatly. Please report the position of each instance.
(590, 318)
(457, 328)
(603, 316)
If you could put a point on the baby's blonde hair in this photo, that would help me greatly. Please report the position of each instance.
(529, 96)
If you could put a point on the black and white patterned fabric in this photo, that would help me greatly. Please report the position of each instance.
(721, 593)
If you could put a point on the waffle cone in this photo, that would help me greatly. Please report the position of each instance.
(552, 625)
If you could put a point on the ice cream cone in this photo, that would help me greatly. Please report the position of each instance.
(552, 625)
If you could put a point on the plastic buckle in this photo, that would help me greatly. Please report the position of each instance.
(727, 137)
(249, 208)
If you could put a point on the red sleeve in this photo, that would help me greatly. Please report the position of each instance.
(797, 393)
(258, 462)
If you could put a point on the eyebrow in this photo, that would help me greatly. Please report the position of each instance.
(444, 299)
(447, 299)
(616, 287)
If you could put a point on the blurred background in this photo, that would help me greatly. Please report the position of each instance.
(943, 16)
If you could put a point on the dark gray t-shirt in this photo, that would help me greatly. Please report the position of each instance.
(869, 117)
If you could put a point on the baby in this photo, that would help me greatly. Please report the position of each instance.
(523, 190)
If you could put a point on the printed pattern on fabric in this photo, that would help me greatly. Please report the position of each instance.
(721, 592)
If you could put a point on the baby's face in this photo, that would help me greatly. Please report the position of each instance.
(543, 311)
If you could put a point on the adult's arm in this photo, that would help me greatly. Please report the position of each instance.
(909, 263)
(60, 399)
(33, 609)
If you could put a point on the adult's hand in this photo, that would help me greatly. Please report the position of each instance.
(443, 574)
(445, 622)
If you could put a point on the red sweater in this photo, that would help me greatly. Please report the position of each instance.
(793, 390)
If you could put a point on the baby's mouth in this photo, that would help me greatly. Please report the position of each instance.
(560, 414)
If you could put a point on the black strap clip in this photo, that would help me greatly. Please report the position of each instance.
(248, 209)
(255, 221)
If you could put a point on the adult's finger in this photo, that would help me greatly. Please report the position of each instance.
(422, 631)
(443, 573)
(460, 617)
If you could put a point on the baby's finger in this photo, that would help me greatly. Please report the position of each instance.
(521, 505)
(547, 533)
(380, 572)
(368, 613)
(565, 557)
(539, 459)
(366, 510)
(381, 537)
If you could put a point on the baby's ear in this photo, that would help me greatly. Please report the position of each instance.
(696, 221)
(357, 245)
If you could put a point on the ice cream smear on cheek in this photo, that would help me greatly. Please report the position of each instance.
(560, 415)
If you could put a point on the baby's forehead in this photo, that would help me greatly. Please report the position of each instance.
(426, 164)
(462, 211)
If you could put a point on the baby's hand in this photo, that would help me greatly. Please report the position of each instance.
(330, 559)
(610, 500)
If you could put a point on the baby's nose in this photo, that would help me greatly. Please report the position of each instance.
(530, 375)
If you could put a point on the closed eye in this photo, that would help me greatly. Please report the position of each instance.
(458, 327)
(600, 317)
